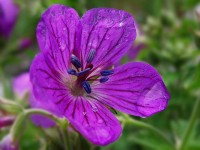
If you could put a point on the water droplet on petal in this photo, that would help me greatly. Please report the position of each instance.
(84, 113)
(121, 24)
(95, 109)
(100, 121)
(43, 31)
(61, 44)
(107, 37)
(53, 14)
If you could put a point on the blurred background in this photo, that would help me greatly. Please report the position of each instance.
(168, 37)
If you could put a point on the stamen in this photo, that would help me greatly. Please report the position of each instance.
(106, 72)
(83, 72)
(75, 61)
(104, 79)
(91, 55)
(71, 71)
(86, 86)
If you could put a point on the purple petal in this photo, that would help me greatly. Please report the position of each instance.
(56, 34)
(92, 120)
(8, 16)
(47, 86)
(47, 81)
(110, 32)
(22, 85)
(7, 144)
(134, 88)
(134, 51)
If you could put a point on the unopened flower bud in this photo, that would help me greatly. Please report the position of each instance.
(6, 121)
(8, 144)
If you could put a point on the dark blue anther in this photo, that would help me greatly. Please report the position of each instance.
(71, 71)
(83, 72)
(75, 61)
(106, 72)
(104, 79)
(86, 86)
(91, 55)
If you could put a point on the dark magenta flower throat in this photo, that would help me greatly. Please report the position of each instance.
(83, 74)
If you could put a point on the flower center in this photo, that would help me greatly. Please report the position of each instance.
(83, 74)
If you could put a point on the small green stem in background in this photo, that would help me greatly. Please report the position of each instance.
(10, 106)
(63, 138)
(19, 123)
(65, 134)
(190, 126)
(62, 125)
(140, 124)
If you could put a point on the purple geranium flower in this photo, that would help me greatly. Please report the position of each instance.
(8, 17)
(74, 71)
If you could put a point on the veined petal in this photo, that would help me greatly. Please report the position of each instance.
(92, 120)
(110, 32)
(48, 83)
(56, 34)
(135, 88)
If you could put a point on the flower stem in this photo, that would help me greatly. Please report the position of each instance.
(65, 134)
(10, 106)
(190, 126)
(140, 124)
(41, 112)
(63, 138)
(62, 125)
(21, 118)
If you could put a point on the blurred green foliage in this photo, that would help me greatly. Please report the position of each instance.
(169, 30)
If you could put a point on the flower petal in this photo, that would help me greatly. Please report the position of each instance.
(22, 85)
(56, 34)
(48, 88)
(110, 32)
(48, 83)
(92, 120)
(135, 88)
